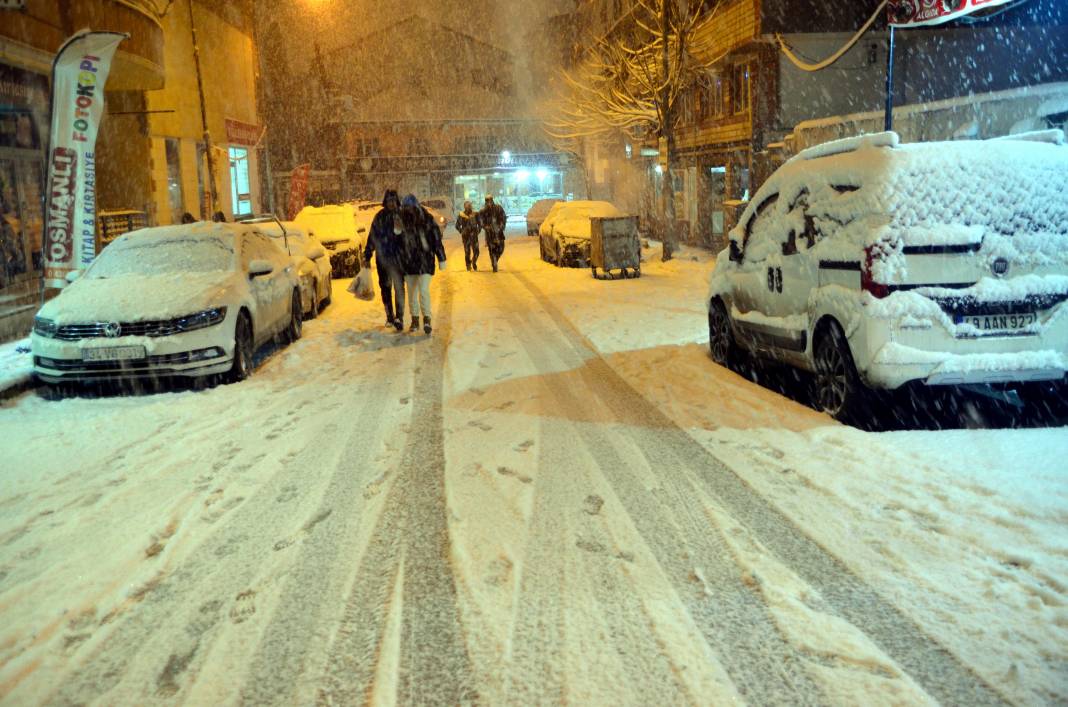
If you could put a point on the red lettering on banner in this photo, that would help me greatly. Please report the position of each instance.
(61, 197)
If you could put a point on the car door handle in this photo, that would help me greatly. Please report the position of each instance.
(775, 280)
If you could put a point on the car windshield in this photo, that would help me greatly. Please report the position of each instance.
(164, 256)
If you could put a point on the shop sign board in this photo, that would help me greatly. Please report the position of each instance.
(915, 13)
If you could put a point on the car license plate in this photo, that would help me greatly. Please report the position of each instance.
(998, 323)
(114, 353)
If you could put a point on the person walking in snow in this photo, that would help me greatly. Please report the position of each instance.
(384, 241)
(493, 220)
(421, 247)
(468, 226)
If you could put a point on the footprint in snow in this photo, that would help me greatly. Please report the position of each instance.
(244, 606)
(505, 471)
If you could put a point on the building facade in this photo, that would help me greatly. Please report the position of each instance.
(444, 122)
(150, 154)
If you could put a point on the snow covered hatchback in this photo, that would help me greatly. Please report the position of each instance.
(190, 301)
(873, 263)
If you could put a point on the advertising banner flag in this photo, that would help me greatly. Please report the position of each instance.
(79, 73)
(915, 13)
(298, 190)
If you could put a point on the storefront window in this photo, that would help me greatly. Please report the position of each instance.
(240, 191)
(174, 180)
(23, 124)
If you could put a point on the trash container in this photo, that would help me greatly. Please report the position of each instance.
(615, 248)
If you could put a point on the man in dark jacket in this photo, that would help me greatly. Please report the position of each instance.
(468, 226)
(493, 220)
(384, 242)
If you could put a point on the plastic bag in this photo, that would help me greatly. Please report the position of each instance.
(363, 286)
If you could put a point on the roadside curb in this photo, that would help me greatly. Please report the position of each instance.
(18, 387)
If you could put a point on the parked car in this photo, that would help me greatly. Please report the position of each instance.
(874, 264)
(441, 208)
(565, 232)
(308, 254)
(191, 300)
(537, 213)
(335, 227)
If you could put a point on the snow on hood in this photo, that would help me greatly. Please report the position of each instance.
(137, 298)
(573, 220)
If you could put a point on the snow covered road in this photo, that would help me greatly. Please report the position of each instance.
(557, 498)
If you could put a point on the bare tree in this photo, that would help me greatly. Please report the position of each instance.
(630, 81)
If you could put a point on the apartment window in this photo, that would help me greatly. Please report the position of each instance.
(240, 191)
(740, 87)
(366, 147)
(172, 147)
(710, 99)
(418, 146)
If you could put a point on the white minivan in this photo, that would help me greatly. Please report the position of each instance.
(874, 263)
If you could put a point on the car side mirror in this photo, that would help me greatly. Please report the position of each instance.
(316, 252)
(736, 252)
(258, 268)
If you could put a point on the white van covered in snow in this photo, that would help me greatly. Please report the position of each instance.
(874, 263)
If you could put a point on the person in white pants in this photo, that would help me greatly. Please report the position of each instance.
(421, 249)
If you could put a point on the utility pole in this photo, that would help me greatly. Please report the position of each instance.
(667, 131)
(214, 192)
(266, 98)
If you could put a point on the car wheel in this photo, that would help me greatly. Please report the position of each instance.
(243, 350)
(721, 342)
(329, 291)
(314, 311)
(838, 390)
(296, 319)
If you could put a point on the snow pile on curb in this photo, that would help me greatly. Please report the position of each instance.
(16, 364)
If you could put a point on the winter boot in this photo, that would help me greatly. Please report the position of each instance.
(415, 324)
(493, 261)
(474, 266)
(398, 324)
(426, 325)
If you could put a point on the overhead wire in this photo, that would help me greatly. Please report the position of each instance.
(806, 66)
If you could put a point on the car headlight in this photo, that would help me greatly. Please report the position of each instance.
(441, 220)
(45, 327)
(201, 320)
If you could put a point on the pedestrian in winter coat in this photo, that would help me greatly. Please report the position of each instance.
(468, 226)
(493, 220)
(384, 241)
(420, 247)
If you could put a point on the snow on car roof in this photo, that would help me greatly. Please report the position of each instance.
(197, 229)
(1011, 186)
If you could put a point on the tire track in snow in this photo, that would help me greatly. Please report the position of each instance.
(197, 592)
(557, 527)
(434, 666)
(668, 446)
(734, 620)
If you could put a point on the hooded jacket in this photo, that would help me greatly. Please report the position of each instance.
(467, 224)
(421, 246)
(382, 239)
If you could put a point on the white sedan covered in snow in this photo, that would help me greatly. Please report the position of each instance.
(309, 255)
(565, 232)
(190, 300)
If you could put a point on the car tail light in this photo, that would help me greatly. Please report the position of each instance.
(867, 282)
